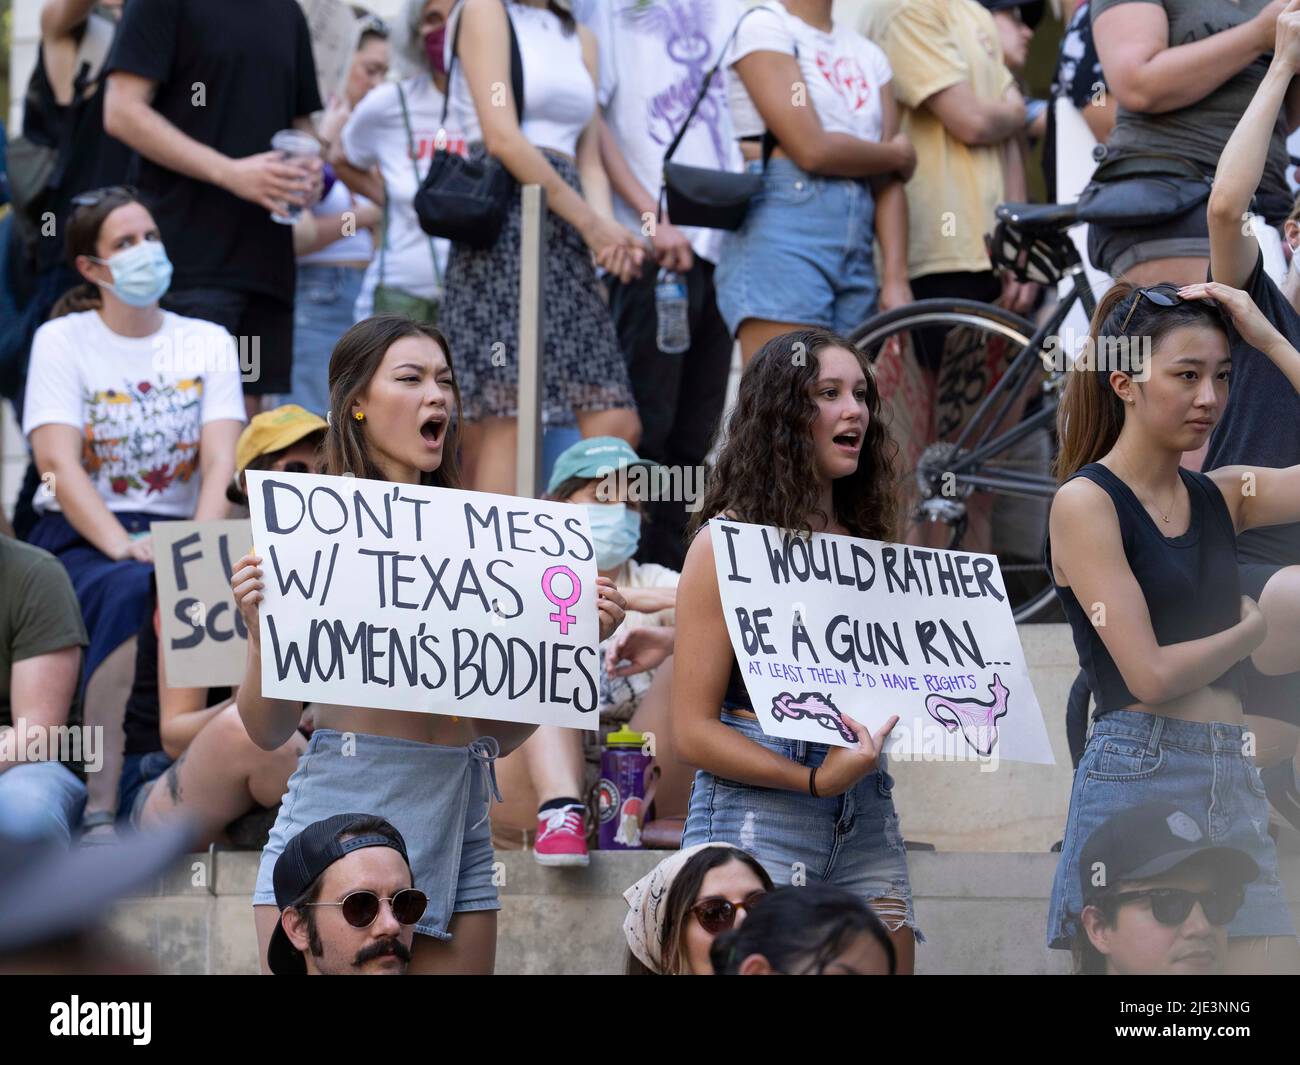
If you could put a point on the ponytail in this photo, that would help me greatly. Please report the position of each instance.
(1091, 415)
(83, 297)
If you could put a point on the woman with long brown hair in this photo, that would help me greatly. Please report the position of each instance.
(806, 452)
(394, 416)
(1143, 557)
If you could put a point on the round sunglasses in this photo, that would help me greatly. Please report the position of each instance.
(717, 915)
(360, 908)
(1170, 906)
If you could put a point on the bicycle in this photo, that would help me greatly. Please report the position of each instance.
(1002, 453)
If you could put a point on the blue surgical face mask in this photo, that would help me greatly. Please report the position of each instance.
(141, 273)
(615, 533)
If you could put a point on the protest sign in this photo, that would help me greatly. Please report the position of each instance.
(402, 597)
(204, 641)
(835, 624)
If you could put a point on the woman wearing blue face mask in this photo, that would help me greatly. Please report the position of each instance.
(132, 413)
(547, 781)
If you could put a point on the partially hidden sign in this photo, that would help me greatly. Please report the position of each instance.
(835, 624)
(204, 639)
(402, 597)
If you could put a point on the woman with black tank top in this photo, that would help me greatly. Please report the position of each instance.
(1143, 557)
(805, 451)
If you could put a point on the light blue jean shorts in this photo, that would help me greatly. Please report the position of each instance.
(436, 797)
(804, 253)
(852, 840)
(1133, 758)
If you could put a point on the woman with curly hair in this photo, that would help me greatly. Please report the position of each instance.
(805, 452)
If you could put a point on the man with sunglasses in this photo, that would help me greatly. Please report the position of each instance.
(347, 907)
(1157, 897)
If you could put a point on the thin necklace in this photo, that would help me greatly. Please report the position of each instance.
(1172, 501)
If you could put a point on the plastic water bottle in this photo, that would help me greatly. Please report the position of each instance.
(673, 334)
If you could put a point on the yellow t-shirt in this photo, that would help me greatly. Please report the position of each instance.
(933, 45)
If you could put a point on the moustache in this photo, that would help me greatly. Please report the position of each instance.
(382, 947)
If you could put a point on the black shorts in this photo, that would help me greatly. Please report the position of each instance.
(1265, 696)
(1117, 249)
(261, 325)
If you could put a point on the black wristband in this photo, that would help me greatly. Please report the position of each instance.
(812, 783)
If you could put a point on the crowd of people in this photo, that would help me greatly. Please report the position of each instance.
(217, 265)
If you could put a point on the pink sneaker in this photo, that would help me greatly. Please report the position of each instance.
(562, 837)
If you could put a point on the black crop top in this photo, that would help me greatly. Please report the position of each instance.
(1189, 582)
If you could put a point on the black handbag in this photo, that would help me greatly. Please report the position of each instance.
(1142, 190)
(701, 196)
(466, 200)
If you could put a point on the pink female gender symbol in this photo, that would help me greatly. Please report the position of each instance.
(562, 617)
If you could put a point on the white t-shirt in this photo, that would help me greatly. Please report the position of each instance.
(659, 53)
(354, 249)
(559, 95)
(376, 135)
(139, 402)
(843, 70)
(620, 696)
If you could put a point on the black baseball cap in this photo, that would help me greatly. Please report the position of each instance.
(305, 857)
(1031, 12)
(1149, 841)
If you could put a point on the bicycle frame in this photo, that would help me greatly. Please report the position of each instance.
(965, 468)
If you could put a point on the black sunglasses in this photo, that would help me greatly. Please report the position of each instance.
(1170, 906)
(1161, 296)
(360, 908)
(717, 915)
(94, 196)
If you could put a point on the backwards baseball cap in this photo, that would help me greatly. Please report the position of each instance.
(1031, 11)
(275, 430)
(1150, 840)
(305, 857)
(594, 457)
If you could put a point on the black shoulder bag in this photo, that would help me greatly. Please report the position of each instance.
(1142, 190)
(466, 200)
(701, 196)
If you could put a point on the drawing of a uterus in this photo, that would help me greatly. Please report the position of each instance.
(978, 721)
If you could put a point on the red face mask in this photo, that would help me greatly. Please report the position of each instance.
(433, 49)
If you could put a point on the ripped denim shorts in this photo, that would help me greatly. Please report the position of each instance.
(852, 840)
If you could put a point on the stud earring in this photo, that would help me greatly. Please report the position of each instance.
(359, 416)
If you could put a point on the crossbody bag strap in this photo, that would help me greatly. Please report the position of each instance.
(415, 170)
(516, 72)
(769, 141)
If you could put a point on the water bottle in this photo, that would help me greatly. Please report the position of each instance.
(673, 335)
(622, 792)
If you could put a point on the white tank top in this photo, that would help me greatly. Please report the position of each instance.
(559, 95)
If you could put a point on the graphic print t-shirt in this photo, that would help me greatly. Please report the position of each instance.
(653, 59)
(139, 402)
(843, 70)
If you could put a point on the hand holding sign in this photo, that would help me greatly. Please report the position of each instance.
(845, 766)
(246, 584)
(611, 605)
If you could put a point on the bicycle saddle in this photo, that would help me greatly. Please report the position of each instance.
(1038, 215)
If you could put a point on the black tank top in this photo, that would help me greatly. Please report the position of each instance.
(1189, 582)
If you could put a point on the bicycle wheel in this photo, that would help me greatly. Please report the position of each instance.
(999, 503)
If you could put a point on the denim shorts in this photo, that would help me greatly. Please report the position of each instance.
(436, 797)
(1133, 758)
(852, 840)
(804, 253)
(139, 772)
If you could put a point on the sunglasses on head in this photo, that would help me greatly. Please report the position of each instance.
(1160, 295)
(360, 908)
(1170, 906)
(94, 196)
(717, 915)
